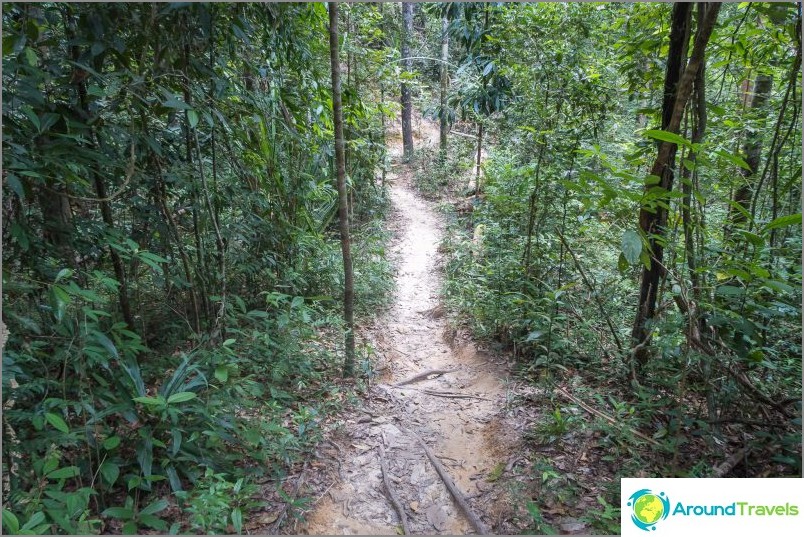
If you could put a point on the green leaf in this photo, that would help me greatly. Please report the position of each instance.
(174, 102)
(536, 334)
(222, 373)
(110, 472)
(155, 507)
(174, 448)
(106, 343)
(57, 422)
(755, 240)
(111, 443)
(124, 513)
(228, 342)
(665, 136)
(733, 159)
(64, 473)
(14, 183)
(237, 520)
(10, 522)
(782, 221)
(622, 263)
(192, 118)
(729, 290)
(151, 401)
(631, 246)
(153, 522)
(181, 397)
(63, 273)
(36, 519)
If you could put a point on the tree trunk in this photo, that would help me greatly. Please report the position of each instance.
(479, 153)
(105, 206)
(652, 220)
(752, 150)
(343, 210)
(407, 63)
(442, 139)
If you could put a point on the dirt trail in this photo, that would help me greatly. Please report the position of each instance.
(413, 337)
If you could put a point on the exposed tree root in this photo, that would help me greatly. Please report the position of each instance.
(448, 395)
(460, 499)
(423, 376)
(729, 464)
(391, 494)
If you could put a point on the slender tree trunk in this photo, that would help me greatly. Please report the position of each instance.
(699, 128)
(200, 264)
(105, 206)
(756, 97)
(442, 139)
(343, 210)
(382, 126)
(407, 127)
(479, 153)
(652, 220)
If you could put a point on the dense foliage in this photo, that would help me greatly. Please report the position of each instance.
(172, 272)
(171, 267)
(548, 260)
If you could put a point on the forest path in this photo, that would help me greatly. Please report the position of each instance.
(454, 413)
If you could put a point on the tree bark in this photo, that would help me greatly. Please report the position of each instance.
(442, 139)
(407, 63)
(343, 209)
(652, 220)
(479, 154)
(752, 149)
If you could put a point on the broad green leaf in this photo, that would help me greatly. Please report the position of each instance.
(111, 443)
(536, 334)
(124, 513)
(665, 136)
(782, 221)
(106, 343)
(754, 239)
(729, 290)
(36, 519)
(153, 522)
(155, 507)
(110, 472)
(228, 342)
(733, 159)
(57, 422)
(622, 263)
(151, 401)
(174, 448)
(181, 397)
(631, 246)
(237, 520)
(11, 522)
(64, 473)
(192, 118)
(222, 373)
(14, 183)
(63, 273)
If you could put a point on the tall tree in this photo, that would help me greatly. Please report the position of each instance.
(343, 208)
(407, 63)
(754, 98)
(442, 139)
(653, 219)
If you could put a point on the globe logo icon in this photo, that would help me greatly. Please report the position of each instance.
(648, 508)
